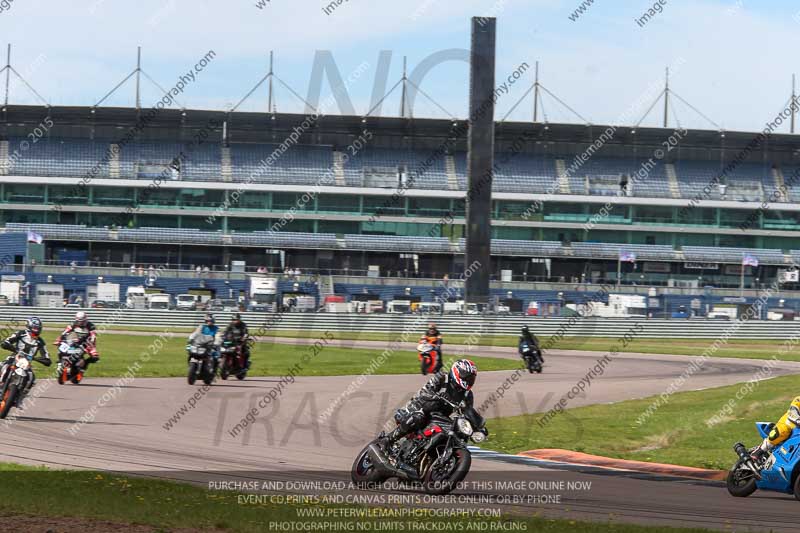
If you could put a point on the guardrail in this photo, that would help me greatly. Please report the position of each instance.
(449, 324)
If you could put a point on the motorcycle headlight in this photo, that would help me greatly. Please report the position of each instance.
(22, 364)
(478, 437)
(20, 371)
(464, 427)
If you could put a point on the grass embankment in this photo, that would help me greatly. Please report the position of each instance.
(677, 432)
(119, 352)
(127, 501)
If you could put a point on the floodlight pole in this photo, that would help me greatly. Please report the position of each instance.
(8, 70)
(138, 74)
(403, 89)
(536, 94)
(666, 98)
(793, 104)
(269, 95)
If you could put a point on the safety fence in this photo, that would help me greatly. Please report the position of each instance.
(388, 323)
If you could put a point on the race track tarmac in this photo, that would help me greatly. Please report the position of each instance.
(140, 429)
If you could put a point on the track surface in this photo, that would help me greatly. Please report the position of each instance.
(289, 439)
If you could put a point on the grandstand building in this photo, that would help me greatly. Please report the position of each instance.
(344, 193)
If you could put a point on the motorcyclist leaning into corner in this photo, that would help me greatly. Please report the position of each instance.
(209, 327)
(454, 386)
(86, 333)
(29, 342)
(779, 432)
(238, 333)
(526, 337)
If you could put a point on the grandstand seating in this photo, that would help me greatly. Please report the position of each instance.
(392, 243)
(732, 255)
(426, 172)
(305, 165)
(381, 167)
(396, 243)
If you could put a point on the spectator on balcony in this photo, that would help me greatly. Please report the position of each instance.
(133, 270)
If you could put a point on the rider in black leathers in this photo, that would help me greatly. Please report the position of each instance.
(29, 342)
(454, 385)
(238, 333)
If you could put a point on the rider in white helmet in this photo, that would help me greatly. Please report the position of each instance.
(87, 338)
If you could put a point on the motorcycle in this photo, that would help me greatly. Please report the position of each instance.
(532, 356)
(13, 380)
(69, 357)
(201, 359)
(233, 360)
(436, 456)
(429, 357)
(779, 472)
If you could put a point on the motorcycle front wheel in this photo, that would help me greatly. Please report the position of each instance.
(443, 478)
(192, 377)
(741, 483)
(8, 400)
(363, 472)
(208, 373)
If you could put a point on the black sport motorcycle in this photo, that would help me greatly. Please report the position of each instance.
(201, 359)
(436, 456)
(233, 360)
(532, 356)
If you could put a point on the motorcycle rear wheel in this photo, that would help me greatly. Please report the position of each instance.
(8, 400)
(797, 488)
(742, 488)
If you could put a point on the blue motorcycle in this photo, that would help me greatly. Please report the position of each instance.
(780, 471)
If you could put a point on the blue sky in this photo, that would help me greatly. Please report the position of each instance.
(733, 59)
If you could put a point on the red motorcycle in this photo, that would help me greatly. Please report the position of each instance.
(430, 357)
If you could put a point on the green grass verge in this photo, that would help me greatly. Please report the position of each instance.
(164, 504)
(738, 348)
(119, 352)
(677, 432)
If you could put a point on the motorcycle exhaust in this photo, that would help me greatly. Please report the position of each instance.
(381, 463)
(744, 457)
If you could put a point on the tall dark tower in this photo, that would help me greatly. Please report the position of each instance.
(480, 161)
